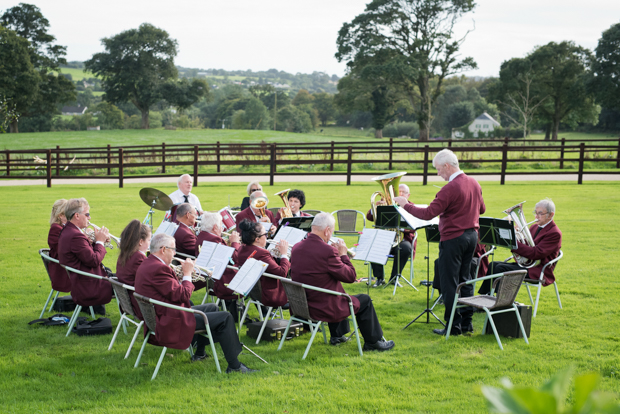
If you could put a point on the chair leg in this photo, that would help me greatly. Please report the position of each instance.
(53, 302)
(46, 302)
(527, 286)
(146, 339)
(357, 336)
(262, 328)
(314, 331)
(557, 294)
(537, 299)
(285, 333)
(74, 317)
(118, 328)
(133, 340)
(92, 312)
(520, 323)
(212, 342)
(490, 318)
(161, 358)
(449, 328)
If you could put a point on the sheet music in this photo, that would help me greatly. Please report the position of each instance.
(167, 227)
(247, 276)
(266, 226)
(214, 256)
(291, 234)
(414, 222)
(374, 245)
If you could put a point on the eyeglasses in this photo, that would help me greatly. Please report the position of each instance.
(539, 213)
(171, 248)
(256, 189)
(87, 214)
(264, 234)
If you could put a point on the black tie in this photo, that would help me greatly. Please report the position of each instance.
(186, 199)
(537, 231)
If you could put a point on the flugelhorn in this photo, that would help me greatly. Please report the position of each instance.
(107, 244)
(334, 242)
(196, 275)
(260, 204)
(522, 233)
(286, 211)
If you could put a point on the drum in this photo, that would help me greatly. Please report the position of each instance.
(228, 221)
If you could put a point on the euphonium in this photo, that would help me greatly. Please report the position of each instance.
(260, 203)
(286, 211)
(389, 184)
(522, 233)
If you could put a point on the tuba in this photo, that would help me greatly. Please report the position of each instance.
(286, 211)
(260, 204)
(389, 184)
(522, 233)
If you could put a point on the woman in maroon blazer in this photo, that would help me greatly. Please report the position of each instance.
(254, 238)
(135, 240)
(58, 275)
(296, 201)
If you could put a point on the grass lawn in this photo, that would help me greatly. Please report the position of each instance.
(77, 74)
(42, 371)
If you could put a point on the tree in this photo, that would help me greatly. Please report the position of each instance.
(324, 105)
(416, 35)
(303, 97)
(459, 114)
(605, 81)
(109, 116)
(183, 93)
(135, 67)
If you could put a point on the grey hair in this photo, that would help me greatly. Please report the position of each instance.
(160, 240)
(445, 156)
(406, 187)
(260, 187)
(75, 205)
(183, 209)
(256, 194)
(547, 204)
(209, 220)
(181, 178)
(323, 220)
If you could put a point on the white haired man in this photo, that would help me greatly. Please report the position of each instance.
(316, 263)
(184, 193)
(458, 205)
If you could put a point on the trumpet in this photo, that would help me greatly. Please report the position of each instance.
(260, 203)
(196, 275)
(286, 211)
(522, 234)
(91, 236)
(334, 242)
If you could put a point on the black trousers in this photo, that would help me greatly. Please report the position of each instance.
(222, 330)
(496, 267)
(454, 265)
(405, 251)
(367, 322)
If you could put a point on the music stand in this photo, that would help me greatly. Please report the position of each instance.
(432, 236)
(303, 223)
(497, 232)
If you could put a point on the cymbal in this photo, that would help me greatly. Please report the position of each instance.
(150, 195)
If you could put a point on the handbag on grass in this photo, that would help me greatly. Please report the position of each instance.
(58, 319)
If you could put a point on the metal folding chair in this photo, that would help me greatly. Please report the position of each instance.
(121, 291)
(313, 212)
(78, 308)
(254, 298)
(150, 319)
(346, 221)
(538, 283)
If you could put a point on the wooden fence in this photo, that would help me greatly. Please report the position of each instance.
(63, 163)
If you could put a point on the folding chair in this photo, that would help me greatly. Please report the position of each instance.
(538, 283)
(121, 291)
(274, 210)
(44, 253)
(296, 293)
(502, 303)
(254, 298)
(150, 319)
(78, 308)
(313, 212)
(347, 222)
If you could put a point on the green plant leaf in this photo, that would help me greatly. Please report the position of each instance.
(501, 401)
(584, 385)
(558, 386)
(535, 401)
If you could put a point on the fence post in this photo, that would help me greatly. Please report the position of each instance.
(562, 153)
(331, 167)
(582, 154)
(504, 162)
(163, 157)
(195, 165)
(425, 166)
(120, 168)
(272, 163)
(217, 152)
(349, 159)
(390, 164)
(8, 163)
(49, 168)
(109, 160)
(450, 143)
(618, 155)
(57, 160)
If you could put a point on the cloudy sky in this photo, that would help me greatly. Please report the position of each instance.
(297, 36)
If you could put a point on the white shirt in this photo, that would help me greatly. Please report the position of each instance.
(456, 174)
(177, 197)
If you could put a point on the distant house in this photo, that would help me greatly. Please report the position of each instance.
(484, 123)
(74, 110)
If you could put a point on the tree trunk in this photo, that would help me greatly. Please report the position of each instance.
(378, 133)
(13, 129)
(548, 132)
(145, 119)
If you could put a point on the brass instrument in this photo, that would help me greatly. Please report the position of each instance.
(91, 236)
(522, 233)
(334, 242)
(196, 275)
(274, 251)
(286, 211)
(260, 204)
(389, 184)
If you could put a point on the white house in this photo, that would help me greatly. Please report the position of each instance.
(484, 123)
(74, 110)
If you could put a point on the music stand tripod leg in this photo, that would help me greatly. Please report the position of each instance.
(239, 332)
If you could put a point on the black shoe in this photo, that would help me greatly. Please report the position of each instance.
(242, 368)
(197, 357)
(379, 282)
(469, 330)
(442, 332)
(338, 340)
(381, 345)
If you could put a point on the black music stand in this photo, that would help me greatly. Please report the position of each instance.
(497, 232)
(432, 236)
(302, 223)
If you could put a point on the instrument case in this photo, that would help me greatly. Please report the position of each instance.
(507, 324)
(275, 329)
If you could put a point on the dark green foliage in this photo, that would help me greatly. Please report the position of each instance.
(459, 114)
(401, 129)
(293, 119)
(605, 81)
(324, 105)
(183, 93)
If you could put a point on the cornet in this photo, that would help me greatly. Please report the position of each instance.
(196, 275)
(91, 235)
(334, 242)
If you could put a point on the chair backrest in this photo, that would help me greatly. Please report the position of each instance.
(257, 292)
(313, 212)
(122, 295)
(148, 311)
(45, 252)
(509, 287)
(347, 219)
(274, 210)
(553, 263)
(297, 300)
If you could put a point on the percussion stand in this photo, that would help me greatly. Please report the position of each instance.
(148, 220)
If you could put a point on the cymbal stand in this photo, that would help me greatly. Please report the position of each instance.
(148, 220)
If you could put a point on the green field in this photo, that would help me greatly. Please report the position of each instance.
(42, 371)
(77, 74)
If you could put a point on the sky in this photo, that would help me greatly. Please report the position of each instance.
(300, 36)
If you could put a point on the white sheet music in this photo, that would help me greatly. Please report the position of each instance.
(375, 245)
(167, 227)
(247, 276)
(291, 234)
(215, 256)
(266, 226)
(414, 222)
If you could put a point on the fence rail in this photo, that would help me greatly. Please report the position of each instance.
(121, 162)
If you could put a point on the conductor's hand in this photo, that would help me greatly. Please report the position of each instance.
(381, 202)
(342, 248)
(401, 201)
(234, 237)
(283, 247)
(102, 235)
(187, 266)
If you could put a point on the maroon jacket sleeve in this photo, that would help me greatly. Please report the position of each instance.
(341, 268)
(437, 206)
(546, 246)
(90, 257)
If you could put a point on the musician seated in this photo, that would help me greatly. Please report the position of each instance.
(252, 187)
(75, 250)
(185, 236)
(255, 214)
(175, 329)
(254, 239)
(318, 264)
(547, 244)
(58, 276)
(296, 201)
(405, 246)
(211, 231)
(184, 193)
(135, 240)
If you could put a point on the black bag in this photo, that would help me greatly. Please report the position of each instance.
(100, 326)
(64, 304)
(58, 319)
(274, 329)
(507, 324)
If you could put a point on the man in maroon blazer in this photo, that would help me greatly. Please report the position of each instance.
(175, 329)
(75, 250)
(185, 237)
(255, 214)
(316, 263)
(547, 243)
(458, 205)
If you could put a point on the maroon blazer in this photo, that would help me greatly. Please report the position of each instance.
(75, 250)
(408, 235)
(318, 264)
(484, 264)
(58, 275)
(127, 274)
(273, 291)
(547, 245)
(185, 240)
(301, 214)
(219, 287)
(175, 328)
(249, 214)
